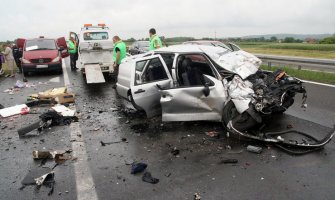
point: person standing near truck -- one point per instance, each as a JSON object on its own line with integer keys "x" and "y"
{"x": 119, "y": 53}
{"x": 8, "y": 53}
{"x": 73, "y": 53}
{"x": 155, "y": 41}
{"x": 17, "y": 53}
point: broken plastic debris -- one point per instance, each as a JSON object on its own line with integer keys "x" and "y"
{"x": 14, "y": 110}
{"x": 212, "y": 133}
{"x": 175, "y": 151}
{"x": 64, "y": 111}
{"x": 42, "y": 154}
{"x": 229, "y": 161}
{"x": 40, "y": 180}
{"x": 197, "y": 196}
{"x": 105, "y": 143}
{"x": 280, "y": 138}
{"x": 254, "y": 149}
{"x": 25, "y": 111}
{"x": 19, "y": 84}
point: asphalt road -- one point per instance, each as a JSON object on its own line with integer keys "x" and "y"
{"x": 272, "y": 174}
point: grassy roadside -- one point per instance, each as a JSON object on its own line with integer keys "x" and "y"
{"x": 290, "y": 49}
{"x": 292, "y": 52}
{"x": 321, "y": 77}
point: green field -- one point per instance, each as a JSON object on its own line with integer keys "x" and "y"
{"x": 290, "y": 49}
{"x": 322, "y": 77}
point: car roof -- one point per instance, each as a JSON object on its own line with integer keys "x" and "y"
{"x": 183, "y": 48}
{"x": 202, "y": 41}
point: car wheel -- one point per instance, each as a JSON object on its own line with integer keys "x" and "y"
{"x": 241, "y": 122}
{"x": 229, "y": 112}
{"x": 288, "y": 102}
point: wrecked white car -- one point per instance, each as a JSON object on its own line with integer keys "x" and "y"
{"x": 197, "y": 82}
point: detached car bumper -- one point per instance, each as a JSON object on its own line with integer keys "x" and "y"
{"x": 42, "y": 67}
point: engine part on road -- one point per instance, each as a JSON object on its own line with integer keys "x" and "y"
{"x": 50, "y": 118}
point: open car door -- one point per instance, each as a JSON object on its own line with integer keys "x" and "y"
{"x": 20, "y": 43}
{"x": 149, "y": 72}
{"x": 194, "y": 103}
{"x": 61, "y": 42}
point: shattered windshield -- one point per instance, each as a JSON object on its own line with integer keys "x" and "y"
{"x": 32, "y": 45}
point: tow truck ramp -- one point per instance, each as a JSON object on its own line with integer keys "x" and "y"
{"x": 94, "y": 74}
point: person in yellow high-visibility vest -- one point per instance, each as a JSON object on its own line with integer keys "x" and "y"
{"x": 119, "y": 53}
{"x": 155, "y": 41}
{"x": 73, "y": 53}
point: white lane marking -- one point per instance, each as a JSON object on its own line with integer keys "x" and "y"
{"x": 84, "y": 180}
{"x": 316, "y": 83}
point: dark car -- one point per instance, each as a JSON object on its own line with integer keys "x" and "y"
{"x": 42, "y": 54}
{"x": 139, "y": 47}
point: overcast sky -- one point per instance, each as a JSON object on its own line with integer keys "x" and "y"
{"x": 196, "y": 18}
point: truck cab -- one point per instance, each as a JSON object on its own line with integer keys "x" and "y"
{"x": 95, "y": 47}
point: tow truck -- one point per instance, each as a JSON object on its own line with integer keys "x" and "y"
{"x": 95, "y": 47}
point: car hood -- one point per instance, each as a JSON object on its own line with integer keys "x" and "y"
{"x": 240, "y": 62}
{"x": 40, "y": 54}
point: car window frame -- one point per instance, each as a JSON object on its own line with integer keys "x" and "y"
{"x": 208, "y": 61}
{"x": 148, "y": 60}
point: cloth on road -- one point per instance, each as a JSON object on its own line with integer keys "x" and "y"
{"x": 149, "y": 179}
{"x": 138, "y": 167}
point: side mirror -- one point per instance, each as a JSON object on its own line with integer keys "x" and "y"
{"x": 206, "y": 90}
{"x": 61, "y": 48}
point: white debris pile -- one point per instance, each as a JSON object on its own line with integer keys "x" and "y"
{"x": 240, "y": 93}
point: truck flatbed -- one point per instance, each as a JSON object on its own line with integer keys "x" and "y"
{"x": 94, "y": 74}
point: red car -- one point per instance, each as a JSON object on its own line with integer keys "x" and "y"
{"x": 42, "y": 54}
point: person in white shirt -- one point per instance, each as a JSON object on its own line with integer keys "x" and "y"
{"x": 8, "y": 53}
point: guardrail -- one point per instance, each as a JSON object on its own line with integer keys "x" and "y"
{"x": 316, "y": 64}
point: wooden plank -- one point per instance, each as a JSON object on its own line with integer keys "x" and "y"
{"x": 94, "y": 74}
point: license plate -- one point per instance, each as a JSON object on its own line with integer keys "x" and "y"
{"x": 41, "y": 66}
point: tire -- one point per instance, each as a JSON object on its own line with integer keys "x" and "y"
{"x": 29, "y": 128}
{"x": 241, "y": 122}
{"x": 288, "y": 102}
{"x": 229, "y": 112}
